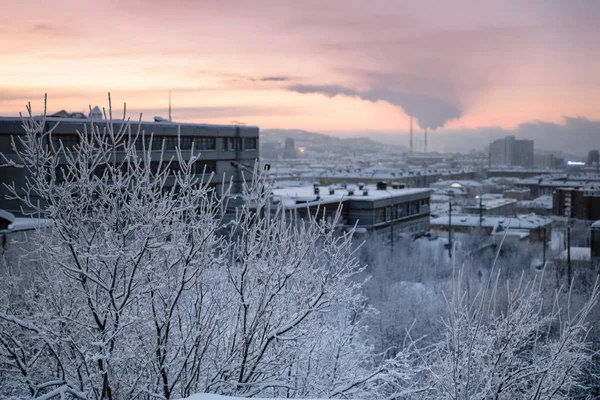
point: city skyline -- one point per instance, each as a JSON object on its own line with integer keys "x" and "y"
{"x": 341, "y": 68}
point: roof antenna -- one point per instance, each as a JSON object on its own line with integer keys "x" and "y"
{"x": 170, "y": 106}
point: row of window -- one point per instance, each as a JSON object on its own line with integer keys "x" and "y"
{"x": 399, "y": 211}
{"x": 204, "y": 143}
{"x": 199, "y": 167}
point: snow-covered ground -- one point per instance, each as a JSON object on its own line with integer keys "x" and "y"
{"x": 205, "y": 396}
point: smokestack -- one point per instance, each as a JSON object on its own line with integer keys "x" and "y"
{"x": 411, "y": 135}
{"x": 425, "y": 144}
{"x": 170, "y": 106}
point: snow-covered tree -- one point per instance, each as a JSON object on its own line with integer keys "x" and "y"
{"x": 142, "y": 288}
{"x": 511, "y": 349}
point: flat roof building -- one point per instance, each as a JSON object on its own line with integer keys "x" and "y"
{"x": 373, "y": 208}
{"x": 226, "y": 151}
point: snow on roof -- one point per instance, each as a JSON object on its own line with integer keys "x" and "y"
{"x": 490, "y": 204}
{"x": 207, "y": 396}
{"x": 456, "y": 183}
{"x": 305, "y": 195}
{"x": 488, "y": 221}
{"x": 519, "y": 233}
{"x": 539, "y": 202}
{"x": 596, "y": 224}
{"x": 83, "y": 119}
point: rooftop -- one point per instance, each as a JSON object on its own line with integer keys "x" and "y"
{"x": 529, "y": 221}
{"x": 302, "y": 196}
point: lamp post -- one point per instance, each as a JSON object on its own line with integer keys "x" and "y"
{"x": 450, "y": 228}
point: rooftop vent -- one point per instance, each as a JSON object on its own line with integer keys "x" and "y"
{"x": 366, "y": 192}
{"x": 331, "y": 191}
{"x": 381, "y": 185}
{"x": 361, "y": 186}
{"x": 316, "y": 190}
{"x": 350, "y": 192}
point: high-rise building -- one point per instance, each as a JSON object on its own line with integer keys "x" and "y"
{"x": 593, "y": 157}
{"x": 510, "y": 151}
{"x": 289, "y": 149}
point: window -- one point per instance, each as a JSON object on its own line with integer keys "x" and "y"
{"x": 414, "y": 208}
{"x": 206, "y": 143}
{"x": 68, "y": 141}
{"x": 170, "y": 142}
{"x": 250, "y": 143}
{"x": 186, "y": 142}
{"x": 224, "y": 144}
{"x": 206, "y": 167}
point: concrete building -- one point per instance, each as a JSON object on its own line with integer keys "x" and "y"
{"x": 372, "y": 208}
{"x": 593, "y": 158}
{"x": 517, "y": 194}
{"x": 289, "y": 149}
{"x": 510, "y": 151}
{"x": 506, "y": 207}
{"x": 532, "y": 228}
{"x": 541, "y": 205}
{"x": 225, "y": 150}
{"x": 577, "y": 203}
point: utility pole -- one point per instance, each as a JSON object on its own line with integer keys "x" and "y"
{"x": 569, "y": 249}
{"x": 450, "y": 229}
{"x": 480, "y": 211}
{"x": 545, "y": 242}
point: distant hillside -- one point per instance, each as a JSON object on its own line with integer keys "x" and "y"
{"x": 318, "y": 142}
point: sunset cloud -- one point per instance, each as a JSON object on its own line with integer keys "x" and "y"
{"x": 451, "y": 65}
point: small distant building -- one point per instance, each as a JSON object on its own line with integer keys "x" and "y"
{"x": 534, "y": 228}
{"x": 96, "y": 114}
{"x": 469, "y": 187}
{"x": 289, "y": 149}
{"x": 372, "y": 208}
{"x": 593, "y": 158}
{"x": 517, "y": 194}
{"x": 541, "y": 205}
{"x": 506, "y": 207}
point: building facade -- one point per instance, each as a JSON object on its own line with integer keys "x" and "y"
{"x": 227, "y": 152}
{"x": 576, "y": 203}
{"x": 378, "y": 209}
{"x": 512, "y": 152}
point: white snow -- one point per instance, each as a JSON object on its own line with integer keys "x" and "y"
{"x": 207, "y": 396}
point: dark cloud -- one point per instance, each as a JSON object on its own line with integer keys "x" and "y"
{"x": 429, "y": 112}
{"x": 51, "y": 30}
{"x": 274, "y": 79}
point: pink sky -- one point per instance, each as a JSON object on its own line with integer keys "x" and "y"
{"x": 495, "y": 62}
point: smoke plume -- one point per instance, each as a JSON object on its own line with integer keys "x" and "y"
{"x": 429, "y": 112}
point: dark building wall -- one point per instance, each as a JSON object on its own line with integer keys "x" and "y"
{"x": 582, "y": 204}
{"x": 218, "y": 145}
